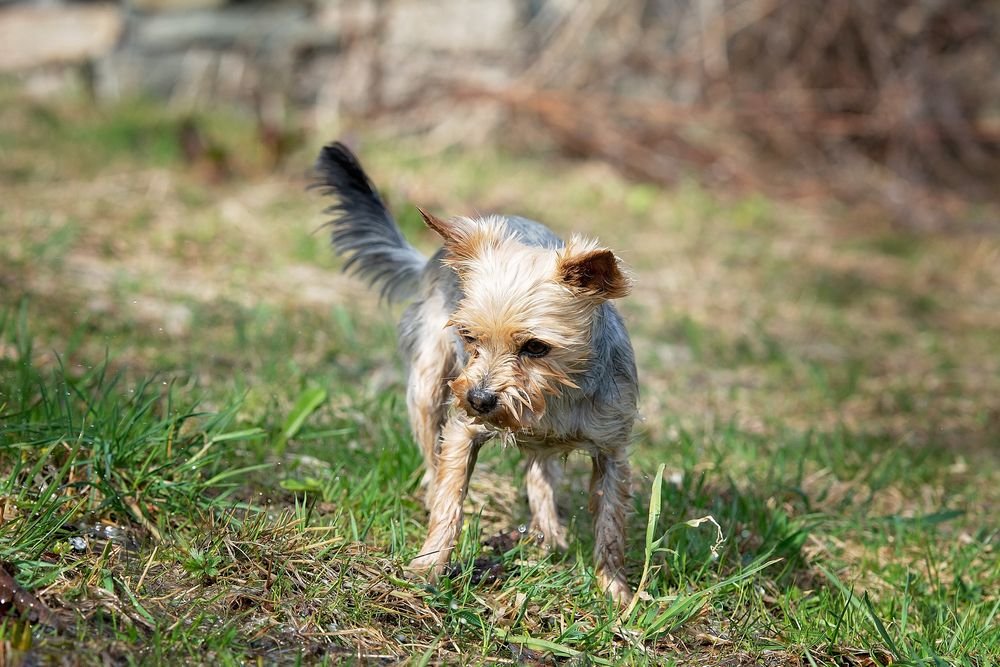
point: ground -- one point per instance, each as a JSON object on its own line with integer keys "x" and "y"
{"x": 204, "y": 452}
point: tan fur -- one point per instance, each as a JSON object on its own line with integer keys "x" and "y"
{"x": 501, "y": 315}
{"x": 542, "y": 476}
{"x": 593, "y": 271}
{"x": 427, "y": 391}
{"x": 455, "y": 459}
{"x": 513, "y": 294}
{"x": 509, "y": 335}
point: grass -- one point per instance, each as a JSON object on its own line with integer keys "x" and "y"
{"x": 205, "y": 456}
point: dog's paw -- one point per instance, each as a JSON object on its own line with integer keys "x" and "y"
{"x": 617, "y": 589}
{"x": 426, "y": 566}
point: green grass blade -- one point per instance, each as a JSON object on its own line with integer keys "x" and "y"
{"x": 307, "y": 403}
{"x": 655, "y": 507}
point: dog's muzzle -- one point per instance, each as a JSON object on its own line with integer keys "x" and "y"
{"x": 483, "y": 401}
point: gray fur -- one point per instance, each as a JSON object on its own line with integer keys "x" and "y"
{"x": 365, "y": 232}
{"x": 363, "y": 229}
{"x": 534, "y": 233}
{"x": 611, "y": 378}
{"x": 596, "y": 416}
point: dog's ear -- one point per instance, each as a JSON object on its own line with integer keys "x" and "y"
{"x": 451, "y": 231}
{"x": 462, "y": 237}
{"x": 595, "y": 272}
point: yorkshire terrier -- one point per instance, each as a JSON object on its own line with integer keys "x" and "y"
{"x": 511, "y": 335}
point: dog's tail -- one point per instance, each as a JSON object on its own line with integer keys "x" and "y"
{"x": 363, "y": 229}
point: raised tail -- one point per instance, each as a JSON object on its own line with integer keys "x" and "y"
{"x": 363, "y": 229}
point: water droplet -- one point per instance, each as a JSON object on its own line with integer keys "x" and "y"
{"x": 522, "y": 529}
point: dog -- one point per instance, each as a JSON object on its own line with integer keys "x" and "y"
{"x": 510, "y": 335}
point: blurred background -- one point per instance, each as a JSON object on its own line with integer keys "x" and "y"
{"x": 808, "y": 190}
{"x": 808, "y": 193}
{"x": 889, "y": 105}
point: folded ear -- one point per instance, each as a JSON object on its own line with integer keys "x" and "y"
{"x": 597, "y": 272}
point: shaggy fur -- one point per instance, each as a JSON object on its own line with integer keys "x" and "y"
{"x": 510, "y": 335}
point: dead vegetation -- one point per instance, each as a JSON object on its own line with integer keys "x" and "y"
{"x": 828, "y": 395}
{"x": 890, "y": 105}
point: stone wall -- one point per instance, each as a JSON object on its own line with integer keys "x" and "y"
{"x": 343, "y": 56}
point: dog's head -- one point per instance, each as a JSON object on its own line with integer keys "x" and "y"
{"x": 525, "y": 318}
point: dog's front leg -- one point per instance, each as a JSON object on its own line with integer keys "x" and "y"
{"x": 460, "y": 443}
{"x": 610, "y": 490}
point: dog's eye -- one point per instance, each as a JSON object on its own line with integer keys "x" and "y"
{"x": 535, "y": 348}
{"x": 467, "y": 337}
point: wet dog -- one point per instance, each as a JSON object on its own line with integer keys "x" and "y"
{"x": 510, "y": 335}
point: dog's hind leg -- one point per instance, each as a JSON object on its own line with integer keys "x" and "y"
{"x": 542, "y": 477}
{"x": 610, "y": 492}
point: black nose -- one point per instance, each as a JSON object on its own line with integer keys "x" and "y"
{"x": 482, "y": 400}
